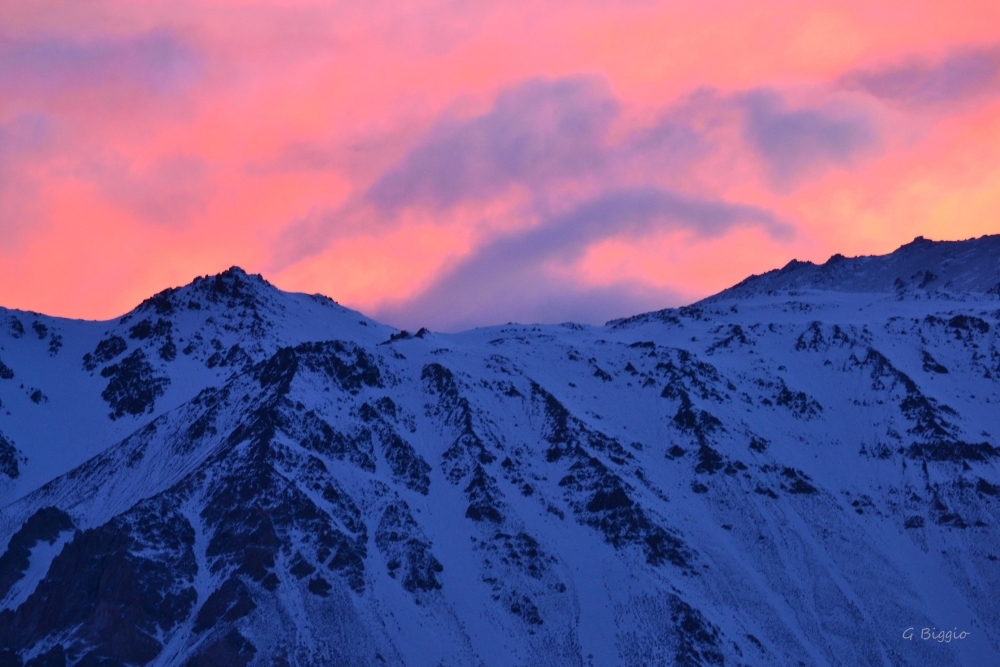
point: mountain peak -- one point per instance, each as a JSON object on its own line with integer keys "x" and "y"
{"x": 972, "y": 265}
{"x": 234, "y": 277}
{"x": 238, "y": 273}
{"x": 234, "y": 286}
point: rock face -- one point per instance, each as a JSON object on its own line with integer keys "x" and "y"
{"x": 232, "y": 475}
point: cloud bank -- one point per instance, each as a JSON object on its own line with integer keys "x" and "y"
{"x": 517, "y": 162}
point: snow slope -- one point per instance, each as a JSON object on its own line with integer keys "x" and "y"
{"x": 790, "y": 474}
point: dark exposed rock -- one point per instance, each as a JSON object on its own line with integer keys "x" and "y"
{"x": 16, "y": 327}
{"x": 279, "y": 370}
{"x": 601, "y": 501}
{"x": 709, "y": 460}
{"x": 204, "y": 425}
{"x": 520, "y": 554}
{"x": 952, "y": 519}
{"x": 931, "y": 365}
{"x": 609, "y": 500}
{"x": 319, "y": 586}
{"x": 735, "y": 336}
{"x": 40, "y": 329}
{"x": 969, "y": 323}
{"x": 106, "y": 350}
{"x": 253, "y": 510}
{"x": 404, "y": 335}
{"x": 928, "y": 418}
{"x": 236, "y": 358}
{"x": 317, "y": 435}
{"x": 440, "y": 381}
{"x": 301, "y": 567}
{"x": 985, "y": 488}
{"x": 114, "y": 588}
{"x": 407, "y": 553}
{"x": 558, "y": 432}
{"x": 346, "y": 363}
{"x": 800, "y": 485}
{"x": 521, "y": 605}
{"x": 133, "y": 385}
{"x": 55, "y": 344}
{"x": 683, "y": 372}
{"x": 161, "y": 330}
{"x": 698, "y": 639}
{"x": 468, "y": 448}
{"x": 5, "y": 372}
{"x": 952, "y": 450}
{"x": 160, "y": 303}
{"x": 484, "y": 497}
{"x": 168, "y": 351}
{"x": 229, "y": 602}
{"x": 690, "y": 419}
{"x": 9, "y": 457}
{"x": 798, "y": 402}
{"x": 812, "y": 338}
{"x": 45, "y": 525}
{"x": 521, "y": 551}
{"x": 601, "y": 374}
{"x": 146, "y": 329}
{"x": 675, "y": 452}
{"x": 589, "y": 483}
{"x": 406, "y": 465}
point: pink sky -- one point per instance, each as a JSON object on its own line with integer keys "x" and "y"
{"x": 454, "y": 164}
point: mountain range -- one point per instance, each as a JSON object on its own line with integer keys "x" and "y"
{"x": 795, "y": 471}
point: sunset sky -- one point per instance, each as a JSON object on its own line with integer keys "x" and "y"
{"x": 452, "y": 164}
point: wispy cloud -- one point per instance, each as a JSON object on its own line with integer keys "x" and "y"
{"x": 544, "y": 138}
{"x": 802, "y": 143}
{"x": 540, "y": 137}
{"x": 536, "y": 133}
{"x": 965, "y": 73}
{"x": 508, "y": 277}
{"x": 158, "y": 61}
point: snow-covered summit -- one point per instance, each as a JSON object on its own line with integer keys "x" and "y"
{"x": 951, "y": 266}
{"x": 77, "y": 385}
{"x": 237, "y": 301}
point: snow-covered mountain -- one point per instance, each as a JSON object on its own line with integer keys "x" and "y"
{"x": 952, "y": 266}
{"x": 792, "y": 472}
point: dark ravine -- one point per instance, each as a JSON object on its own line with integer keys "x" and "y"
{"x": 791, "y": 472}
